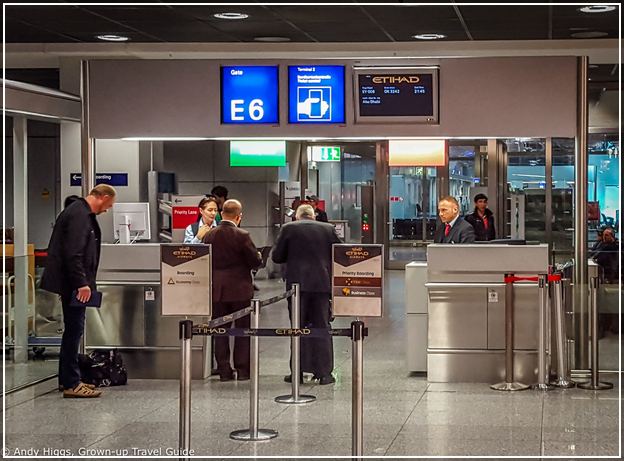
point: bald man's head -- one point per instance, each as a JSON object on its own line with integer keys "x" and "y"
{"x": 232, "y": 209}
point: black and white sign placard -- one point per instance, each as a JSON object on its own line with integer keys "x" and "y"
{"x": 357, "y": 280}
{"x": 186, "y": 280}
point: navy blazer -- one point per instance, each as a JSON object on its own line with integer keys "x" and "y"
{"x": 461, "y": 232}
{"x": 306, "y": 248}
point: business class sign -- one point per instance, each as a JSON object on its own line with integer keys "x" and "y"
{"x": 357, "y": 280}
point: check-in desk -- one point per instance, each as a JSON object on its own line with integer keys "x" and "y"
{"x": 130, "y": 316}
{"x": 416, "y": 316}
{"x": 466, "y": 311}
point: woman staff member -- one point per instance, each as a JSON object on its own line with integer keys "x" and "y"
{"x": 208, "y": 209}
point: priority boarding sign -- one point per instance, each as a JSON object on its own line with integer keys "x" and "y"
{"x": 357, "y": 280}
{"x": 186, "y": 280}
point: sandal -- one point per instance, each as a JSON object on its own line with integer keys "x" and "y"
{"x": 81, "y": 391}
{"x": 90, "y": 386}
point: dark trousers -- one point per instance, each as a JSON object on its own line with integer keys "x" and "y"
{"x": 74, "y": 322}
{"x": 317, "y": 354}
{"x": 222, "y": 343}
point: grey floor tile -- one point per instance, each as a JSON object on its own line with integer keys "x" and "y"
{"x": 473, "y": 432}
{"x": 580, "y": 448}
{"x": 406, "y": 445}
{"x": 50, "y": 444}
{"x": 304, "y": 445}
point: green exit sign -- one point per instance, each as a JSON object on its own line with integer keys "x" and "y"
{"x": 326, "y": 153}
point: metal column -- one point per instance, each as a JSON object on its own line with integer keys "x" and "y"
{"x": 357, "y": 391}
{"x": 542, "y": 360}
{"x": 549, "y": 187}
{"x": 295, "y": 355}
{"x": 20, "y": 248}
{"x": 580, "y": 217}
{"x": 87, "y": 152}
{"x": 186, "y": 334}
{"x": 254, "y": 433}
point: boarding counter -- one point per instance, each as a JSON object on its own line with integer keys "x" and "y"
{"x": 464, "y": 294}
{"x": 130, "y": 316}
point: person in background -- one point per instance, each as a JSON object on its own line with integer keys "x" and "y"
{"x": 70, "y": 199}
{"x": 221, "y": 194}
{"x": 73, "y": 259}
{"x": 452, "y": 228}
{"x": 208, "y": 209}
{"x": 305, "y": 245}
{"x": 596, "y": 246}
{"x": 234, "y": 256}
{"x": 482, "y": 219}
{"x": 319, "y": 214}
{"x": 607, "y": 256}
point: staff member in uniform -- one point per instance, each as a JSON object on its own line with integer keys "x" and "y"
{"x": 208, "y": 208}
{"x": 73, "y": 258}
{"x": 305, "y": 245}
{"x": 452, "y": 228}
{"x": 221, "y": 194}
{"x": 482, "y": 219}
{"x": 319, "y": 214}
{"x": 234, "y": 256}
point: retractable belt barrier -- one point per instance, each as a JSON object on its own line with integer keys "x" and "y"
{"x": 357, "y": 332}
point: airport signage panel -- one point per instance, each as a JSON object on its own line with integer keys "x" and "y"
{"x": 417, "y": 152}
{"x": 249, "y": 94}
{"x": 112, "y": 179}
{"x": 316, "y": 94}
{"x": 325, "y": 153}
{"x": 258, "y": 153}
{"x": 396, "y": 95}
{"x": 357, "y": 280}
{"x": 186, "y": 279}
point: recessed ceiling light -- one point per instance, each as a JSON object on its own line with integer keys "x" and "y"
{"x": 429, "y": 36}
{"x": 272, "y": 39}
{"x": 597, "y": 8}
{"x": 112, "y": 38}
{"x": 590, "y": 34}
{"x": 231, "y": 15}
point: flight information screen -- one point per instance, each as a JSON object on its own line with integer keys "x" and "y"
{"x": 397, "y": 94}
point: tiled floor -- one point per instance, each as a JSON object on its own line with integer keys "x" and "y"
{"x": 403, "y": 415}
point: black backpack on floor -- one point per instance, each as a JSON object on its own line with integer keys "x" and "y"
{"x": 103, "y": 368}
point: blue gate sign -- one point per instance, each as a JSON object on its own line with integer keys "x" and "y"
{"x": 316, "y": 94}
{"x": 112, "y": 179}
{"x": 249, "y": 94}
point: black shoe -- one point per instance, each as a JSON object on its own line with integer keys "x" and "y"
{"x": 329, "y": 379}
{"x": 288, "y": 378}
{"x": 242, "y": 375}
{"x": 226, "y": 376}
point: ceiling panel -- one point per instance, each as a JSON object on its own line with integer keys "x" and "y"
{"x": 301, "y": 23}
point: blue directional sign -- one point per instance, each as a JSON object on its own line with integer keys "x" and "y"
{"x": 316, "y": 94}
{"x": 112, "y": 179}
{"x": 249, "y": 94}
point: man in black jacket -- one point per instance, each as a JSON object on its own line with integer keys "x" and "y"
{"x": 453, "y": 228}
{"x": 482, "y": 219}
{"x": 305, "y": 245}
{"x": 72, "y": 263}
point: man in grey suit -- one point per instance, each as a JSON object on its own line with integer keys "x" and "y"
{"x": 453, "y": 228}
{"x": 305, "y": 245}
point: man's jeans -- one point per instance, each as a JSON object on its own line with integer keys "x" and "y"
{"x": 74, "y": 320}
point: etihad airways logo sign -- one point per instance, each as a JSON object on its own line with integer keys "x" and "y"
{"x": 396, "y": 79}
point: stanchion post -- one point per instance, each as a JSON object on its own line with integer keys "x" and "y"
{"x": 253, "y": 433}
{"x": 357, "y": 393}
{"x": 595, "y": 384}
{"x": 542, "y": 365}
{"x": 563, "y": 379}
{"x": 295, "y": 348}
{"x": 186, "y": 334}
{"x": 509, "y": 384}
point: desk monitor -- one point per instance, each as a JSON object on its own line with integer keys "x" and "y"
{"x": 133, "y": 215}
